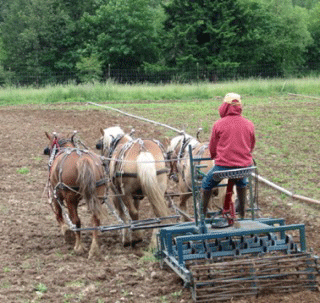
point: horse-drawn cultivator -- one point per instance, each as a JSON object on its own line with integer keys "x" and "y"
{"x": 222, "y": 258}
{"x": 217, "y": 255}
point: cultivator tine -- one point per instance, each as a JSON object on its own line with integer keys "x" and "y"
{"x": 219, "y": 281}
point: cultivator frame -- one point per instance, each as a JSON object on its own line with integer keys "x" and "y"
{"x": 249, "y": 257}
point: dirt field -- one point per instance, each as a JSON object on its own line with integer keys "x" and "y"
{"x": 38, "y": 266}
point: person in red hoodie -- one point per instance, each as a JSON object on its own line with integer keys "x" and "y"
{"x": 231, "y": 145}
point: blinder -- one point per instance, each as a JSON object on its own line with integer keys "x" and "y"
{"x": 99, "y": 144}
{"x": 46, "y": 151}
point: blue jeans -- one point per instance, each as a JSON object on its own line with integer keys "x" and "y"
{"x": 208, "y": 183}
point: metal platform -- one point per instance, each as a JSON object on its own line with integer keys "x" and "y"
{"x": 187, "y": 242}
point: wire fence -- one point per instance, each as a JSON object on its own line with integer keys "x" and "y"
{"x": 168, "y": 75}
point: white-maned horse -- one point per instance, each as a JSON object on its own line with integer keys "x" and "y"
{"x": 178, "y": 154}
{"x": 136, "y": 168}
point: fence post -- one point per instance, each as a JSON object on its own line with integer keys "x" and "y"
{"x": 197, "y": 72}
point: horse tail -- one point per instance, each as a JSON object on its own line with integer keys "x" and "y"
{"x": 87, "y": 186}
{"x": 147, "y": 174}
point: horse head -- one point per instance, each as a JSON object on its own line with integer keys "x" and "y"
{"x": 110, "y": 138}
{"x": 176, "y": 150}
{"x": 99, "y": 144}
{"x": 57, "y": 141}
{"x": 172, "y": 155}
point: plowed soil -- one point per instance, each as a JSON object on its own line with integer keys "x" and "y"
{"x": 36, "y": 263}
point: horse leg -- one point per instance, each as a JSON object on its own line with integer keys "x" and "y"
{"x": 72, "y": 201}
{"x": 65, "y": 231}
{"x": 118, "y": 205}
{"x": 137, "y": 234}
{"x": 94, "y": 248}
{"x": 136, "y": 203}
{"x": 183, "y": 205}
{"x": 183, "y": 201}
{"x": 133, "y": 208}
{"x": 130, "y": 238}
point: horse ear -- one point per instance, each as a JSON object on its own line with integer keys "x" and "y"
{"x": 132, "y": 132}
{"x": 73, "y": 135}
{"x": 198, "y": 134}
{"x": 102, "y": 131}
{"x": 48, "y": 136}
{"x": 166, "y": 141}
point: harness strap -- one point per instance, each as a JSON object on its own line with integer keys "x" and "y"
{"x": 114, "y": 144}
{"x": 183, "y": 147}
{"x": 76, "y": 188}
{"x": 135, "y": 175}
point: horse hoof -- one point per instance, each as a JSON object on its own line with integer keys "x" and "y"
{"x": 69, "y": 236}
{"x": 132, "y": 243}
{"x": 94, "y": 251}
{"x": 135, "y": 242}
{"x": 79, "y": 250}
{"x": 94, "y": 255}
{"x": 126, "y": 244}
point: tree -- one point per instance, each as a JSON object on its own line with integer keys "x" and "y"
{"x": 36, "y": 37}
{"x": 278, "y": 31}
{"x": 123, "y": 32}
{"x": 313, "y": 56}
{"x": 76, "y": 8}
{"x": 89, "y": 69}
{"x": 309, "y": 4}
{"x": 201, "y": 31}
{"x": 2, "y": 58}
{"x": 235, "y": 34}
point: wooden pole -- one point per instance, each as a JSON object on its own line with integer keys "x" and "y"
{"x": 304, "y": 96}
{"x": 137, "y": 117}
{"x": 294, "y": 196}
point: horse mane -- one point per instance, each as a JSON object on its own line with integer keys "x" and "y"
{"x": 111, "y": 133}
{"x": 179, "y": 139}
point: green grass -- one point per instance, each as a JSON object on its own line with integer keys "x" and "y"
{"x": 23, "y": 170}
{"x": 148, "y": 257}
{"x": 40, "y": 287}
{"x": 113, "y": 92}
{"x": 5, "y": 284}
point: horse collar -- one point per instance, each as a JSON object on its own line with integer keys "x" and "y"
{"x": 114, "y": 144}
{"x": 183, "y": 147}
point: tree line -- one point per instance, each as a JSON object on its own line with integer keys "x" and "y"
{"x": 56, "y": 41}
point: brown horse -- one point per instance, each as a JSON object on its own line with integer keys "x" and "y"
{"x": 136, "y": 168}
{"x": 75, "y": 174}
{"x": 178, "y": 154}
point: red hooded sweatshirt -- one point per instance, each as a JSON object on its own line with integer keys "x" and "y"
{"x": 233, "y": 139}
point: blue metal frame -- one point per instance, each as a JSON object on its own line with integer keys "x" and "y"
{"x": 199, "y": 240}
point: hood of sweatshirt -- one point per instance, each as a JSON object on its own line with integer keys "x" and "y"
{"x": 227, "y": 109}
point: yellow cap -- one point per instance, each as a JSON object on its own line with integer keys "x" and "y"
{"x": 229, "y": 98}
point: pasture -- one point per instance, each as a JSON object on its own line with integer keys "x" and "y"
{"x": 36, "y": 264}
